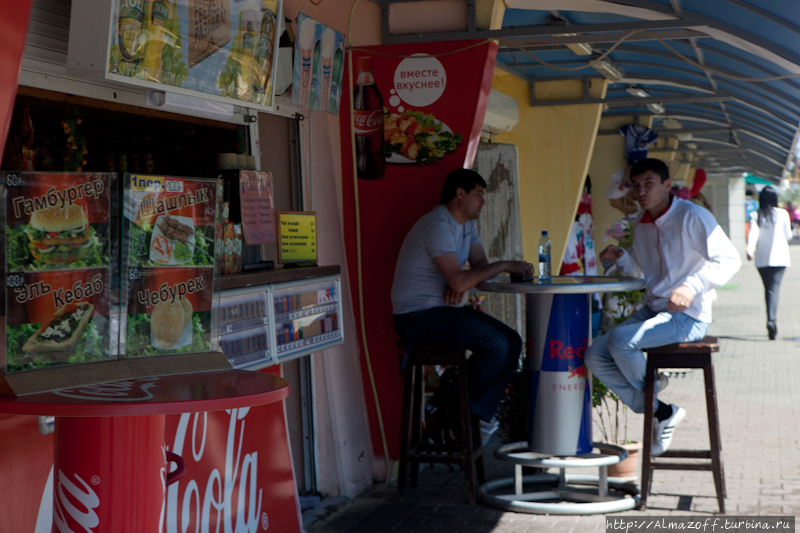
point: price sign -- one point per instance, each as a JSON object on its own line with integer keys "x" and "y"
{"x": 297, "y": 236}
{"x": 258, "y": 212}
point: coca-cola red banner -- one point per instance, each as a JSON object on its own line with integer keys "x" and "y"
{"x": 419, "y": 111}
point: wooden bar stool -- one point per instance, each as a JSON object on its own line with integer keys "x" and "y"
{"x": 686, "y": 355}
{"x": 468, "y": 451}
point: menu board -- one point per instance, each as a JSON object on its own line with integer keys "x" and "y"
{"x": 258, "y": 212}
{"x": 58, "y": 268}
{"x": 169, "y": 264}
{"x": 217, "y": 47}
{"x": 297, "y": 231}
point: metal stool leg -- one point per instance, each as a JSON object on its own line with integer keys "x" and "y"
{"x": 713, "y": 434}
{"x": 647, "y": 447}
{"x": 466, "y": 433}
{"x": 417, "y": 404}
{"x": 404, "y": 432}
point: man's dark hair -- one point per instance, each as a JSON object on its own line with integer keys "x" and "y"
{"x": 460, "y": 178}
{"x": 656, "y": 165}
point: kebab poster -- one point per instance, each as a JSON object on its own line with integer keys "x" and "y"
{"x": 58, "y": 272}
{"x": 169, "y": 262}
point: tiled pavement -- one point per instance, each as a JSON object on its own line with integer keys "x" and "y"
{"x": 759, "y": 420}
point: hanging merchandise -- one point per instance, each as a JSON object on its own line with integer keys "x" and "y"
{"x": 637, "y": 139}
{"x": 697, "y": 184}
{"x": 619, "y": 194}
{"x": 318, "y": 66}
{"x": 580, "y": 256}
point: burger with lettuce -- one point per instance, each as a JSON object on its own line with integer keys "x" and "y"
{"x": 59, "y": 235}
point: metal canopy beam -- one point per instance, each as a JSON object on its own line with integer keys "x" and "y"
{"x": 621, "y": 102}
{"x": 666, "y": 35}
{"x": 700, "y": 116}
{"x": 754, "y": 100}
{"x": 754, "y": 123}
{"x": 691, "y": 19}
{"x": 670, "y": 56}
{"x": 525, "y": 31}
{"x": 733, "y": 149}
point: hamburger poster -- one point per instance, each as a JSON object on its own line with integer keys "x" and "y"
{"x": 58, "y": 269}
{"x": 57, "y": 221}
{"x": 169, "y": 251}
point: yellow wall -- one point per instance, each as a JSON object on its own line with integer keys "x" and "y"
{"x": 555, "y": 145}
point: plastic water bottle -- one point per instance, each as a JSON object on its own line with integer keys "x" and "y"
{"x": 544, "y": 258}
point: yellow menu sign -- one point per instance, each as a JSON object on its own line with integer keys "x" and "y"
{"x": 297, "y": 236}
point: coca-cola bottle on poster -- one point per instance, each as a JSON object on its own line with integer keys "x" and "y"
{"x": 368, "y": 107}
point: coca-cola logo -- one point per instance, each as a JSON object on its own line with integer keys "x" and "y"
{"x": 228, "y": 501}
{"x": 66, "y": 514}
{"x": 121, "y": 391}
{"x": 369, "y": 121}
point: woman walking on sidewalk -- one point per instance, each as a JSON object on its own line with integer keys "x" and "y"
{"x": 768, "y": 242}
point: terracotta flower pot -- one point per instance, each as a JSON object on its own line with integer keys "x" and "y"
{"x": 627, "y": 467}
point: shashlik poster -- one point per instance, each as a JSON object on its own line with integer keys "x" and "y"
{"x": 57, "y": 268}
{"x": 169, "y": 250}
{"x": 226, "y": 48}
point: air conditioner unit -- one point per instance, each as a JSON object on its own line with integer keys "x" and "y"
{"x": 502, "y": 113}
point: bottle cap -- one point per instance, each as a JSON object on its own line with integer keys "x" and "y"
{"x": 364, "y": 64}
{"x": 544, "y": 233}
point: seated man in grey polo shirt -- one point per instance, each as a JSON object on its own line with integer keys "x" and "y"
{"x": 429, "y": 288}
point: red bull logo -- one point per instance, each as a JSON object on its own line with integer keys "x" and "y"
{"x": 559, "y": 351}
{"x": 579, "y": 371}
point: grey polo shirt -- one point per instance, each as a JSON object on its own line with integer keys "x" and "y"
{"x": 418, "y": 284}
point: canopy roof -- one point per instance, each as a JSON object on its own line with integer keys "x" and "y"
{"x": 721, "y": 75}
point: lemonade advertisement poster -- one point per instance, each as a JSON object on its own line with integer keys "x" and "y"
{"x": 225, "y": 48}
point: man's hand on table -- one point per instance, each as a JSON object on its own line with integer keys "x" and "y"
{"x": 611, "y": 252}
{"x": 453, "y": 298}
{"x": 680, "y": 299}
{"x": 519, "y": 268}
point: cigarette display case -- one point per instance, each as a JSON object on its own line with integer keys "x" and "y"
{"x": 269, "y": 324}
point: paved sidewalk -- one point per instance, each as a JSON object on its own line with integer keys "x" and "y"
{"x": 759, "y": 420}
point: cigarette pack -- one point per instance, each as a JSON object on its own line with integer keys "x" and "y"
{"x": 227, "y": 257}
{"x": 237, "y": 248}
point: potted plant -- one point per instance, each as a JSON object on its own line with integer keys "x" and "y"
{"x": 613, "y": 415}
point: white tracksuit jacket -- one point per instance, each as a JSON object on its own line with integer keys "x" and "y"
{"x": 683, "y": 246}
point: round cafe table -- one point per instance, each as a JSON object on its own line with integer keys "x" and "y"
{"x": 558, "y": 331}
{"x": 111, "y": 463}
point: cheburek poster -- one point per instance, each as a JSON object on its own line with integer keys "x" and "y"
{"x": 169, "y": 311}
{"x": 169, "y": 258}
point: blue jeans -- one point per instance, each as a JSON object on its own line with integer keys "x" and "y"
{"x": 495, "y": 348}
{"x": 617, "y": 360}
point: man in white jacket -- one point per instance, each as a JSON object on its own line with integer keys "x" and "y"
{"x": 683, "y": 255}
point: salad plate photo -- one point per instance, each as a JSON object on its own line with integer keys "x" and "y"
{"x": 173, "y": 240}
{"x": 416, "y": 137}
